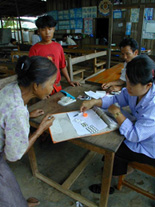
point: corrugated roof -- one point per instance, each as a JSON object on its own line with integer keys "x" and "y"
{"x": 15, "y": 8}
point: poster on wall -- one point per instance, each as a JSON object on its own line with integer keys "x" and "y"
{"x": 128, "y": 28}
{"x": 76, "y": 23}
{"x": 117, "y": 14}
{"x": 75, "y": 13}
{"x": 88, "y": 26}
{"x": 89, "y": 12}
{"x": 134, "y": 15}
{"x": 54, "y": 14}
{"x": 149, "y": 29}
{"x": 148, "y": 14}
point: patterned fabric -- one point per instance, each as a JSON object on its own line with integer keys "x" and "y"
{"x": 14, "y": 123}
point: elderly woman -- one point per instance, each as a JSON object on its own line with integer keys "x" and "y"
{"x": 35, "y": 78}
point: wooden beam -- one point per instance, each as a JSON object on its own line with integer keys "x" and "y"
{"x": 140, "y": 27}
{"x": 110, "y": 35}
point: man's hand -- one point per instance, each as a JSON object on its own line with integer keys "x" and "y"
{"x": 74, "y": 83}
{"x": 114, "y": 89}
{"x": 105, "y": 86}
{"x": 36, "y": 113}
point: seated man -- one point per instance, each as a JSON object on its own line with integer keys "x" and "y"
{"x": 68, "y": 40}
{"x": 129, "y": 50}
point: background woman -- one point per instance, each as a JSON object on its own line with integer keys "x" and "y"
{"x": 35, "y": 78}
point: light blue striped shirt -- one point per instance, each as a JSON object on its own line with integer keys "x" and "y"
{"x": 140, "y": 135}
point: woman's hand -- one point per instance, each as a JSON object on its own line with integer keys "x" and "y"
{"x": 46, "y": 122}
{"x": 89, "y": 104}
{"x": 36, "y": 113}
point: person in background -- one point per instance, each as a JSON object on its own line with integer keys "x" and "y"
{"x": 68, "y": 40}
{"x": 35, "y": 78}
{"x": 139, "y": 134}
{"x": 35, "y": 37}
{"x": 12, "y": 42}
{"x": 129, "y": 50}
{"x": 52, "y": 50}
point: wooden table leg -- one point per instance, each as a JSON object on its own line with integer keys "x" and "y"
{"x": 33, "y": 161}
{"x": 106, "y": 178}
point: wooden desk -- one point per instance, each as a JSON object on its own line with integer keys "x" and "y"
{"x": 106, "y": 76}
{"x": 106, "y": 144}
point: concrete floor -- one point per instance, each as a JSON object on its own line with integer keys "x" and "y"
{"x": 57, "y": 161}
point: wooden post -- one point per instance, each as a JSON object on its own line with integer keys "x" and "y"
{"x": 19, "y": 21}
{"x": 110, "y": 35}
{"x": 1, "y": 23}
{"x": 140, "y": 27}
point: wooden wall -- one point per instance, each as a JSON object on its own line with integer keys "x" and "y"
{"x": 118, "y": 32}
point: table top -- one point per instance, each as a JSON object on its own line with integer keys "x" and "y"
{"x": 110, "y": 141}
{"x": 106, "y": 76}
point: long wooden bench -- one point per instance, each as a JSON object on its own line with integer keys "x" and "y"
{"x": 15, "y": 54}
{"x": 76, "y": 60}
{"x": 96, "y": 64}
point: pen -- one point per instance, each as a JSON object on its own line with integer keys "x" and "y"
{"x": 50, "y": 117}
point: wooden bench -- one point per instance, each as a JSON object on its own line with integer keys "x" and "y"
{"x": 96, "y": 64}
{"x": 14, "y": 55}
{"x": 76, "y": 60}
{"x": 148, "y": 169}
{"x": 5, "y": 72}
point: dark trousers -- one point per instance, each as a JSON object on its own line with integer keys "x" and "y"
{"x": 124, "y": 155}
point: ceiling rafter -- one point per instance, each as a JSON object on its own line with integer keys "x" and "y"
{"x": 25, "y": 7}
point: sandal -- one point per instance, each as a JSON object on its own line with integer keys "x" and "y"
{"x": 32, "y": 202}
{"x": 96, "y": 188}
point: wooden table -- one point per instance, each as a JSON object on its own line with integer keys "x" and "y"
{"x": 106, "y": 144}
{"x": 106, "y": 76}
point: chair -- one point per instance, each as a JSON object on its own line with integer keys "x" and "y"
{"x": 148, "y": 169}
{"x": 72, "y": 72}
{"x": 98, "y": 64}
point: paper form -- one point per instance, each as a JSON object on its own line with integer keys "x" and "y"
{"x": 86, "y": 125}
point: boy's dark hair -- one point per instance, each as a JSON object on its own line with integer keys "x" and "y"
{"x": 129, "y": 42}
{"x": 45, "y": 21}
{"x": 140, "y": 70}
{"x": 34, "y": 69}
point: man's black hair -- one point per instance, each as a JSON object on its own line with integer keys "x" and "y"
{"x": 129, "y": 42}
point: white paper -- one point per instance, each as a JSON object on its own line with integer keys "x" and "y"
{"x": 97, "y": 94}
{"x": 91, "y": 121}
